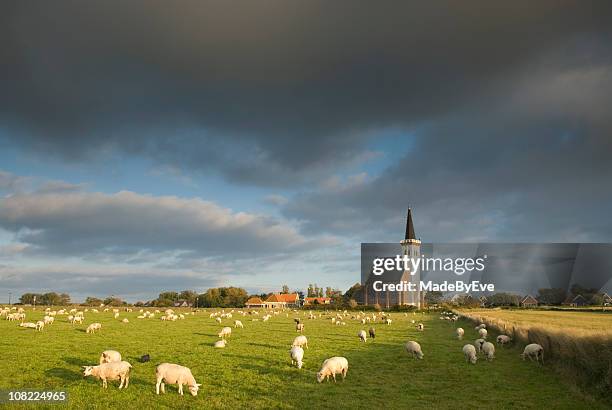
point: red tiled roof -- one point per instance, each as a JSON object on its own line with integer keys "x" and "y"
{"x": 254, "y": 301}
{"x": 283, "y": 297}
{"x": 321, "y": 300}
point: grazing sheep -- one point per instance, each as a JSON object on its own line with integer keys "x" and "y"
{"x": 238, "y": 323}
{"x": 40, "y": 325}
{"x": 420, "y": 327}
{"x": 226, "y": 331}
{"x": 480, "y": 326}
{"x": 93, "y": 327}
{"x": 110, "y": 371}
{"x": 460, "y": 333}
{"x": 388, "y": 321}
{"x": 482, "y": 333}
{"x": 297, "y": 356}
{"x": 503, "y": 339}
{"x": 362, "y": 335}
{"x": 332, "y": 367}
{"x": 533, "y": 350}
{"x": 125, "y": 320}
{"x": 470, "y": 353}
{"x": 488, "y": 349}
{"x": 372, "y": 332}
{"x": 478, "y": 343}
{"x": 218, "y": 320}
{"x": 299, "y": 327}
{"x": 48, "y": 320}
{"x": 110, "y": 356}
{"x": 220, "y": 343}
{"x": 175, "y": 374}
{"x": 300, "y": 341}
{"x": 116, "y": 315}
{"x": 29, "y": 325}
{"x": 414, "y": 349}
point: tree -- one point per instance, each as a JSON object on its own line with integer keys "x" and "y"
{"x": 285, "y": 289}
{"x": 311, "y": 291}
{"x": 551, "y": 296}
{"x": 64, "y": 299}
{"x": 51, "y": 298}
{"x": 174, "y": 296}
{"x": 504, "y": 299}
{"x": 189, "y": 295}
{"x": 114, "y": 301}
{"x": 353, "y": 303}
{"x": 223, "y": 297}
{"x": 377, "y": 307}
{"x": 91, "y": 301}
{"x": 433, "y": 297}
{"x": 352, "y": 291}
{"x": 28, "y": 298}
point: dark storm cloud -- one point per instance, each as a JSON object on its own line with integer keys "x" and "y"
{"x": 268, "y": 93}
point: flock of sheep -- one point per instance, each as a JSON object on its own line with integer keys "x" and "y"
{"x": 112, "y": 367}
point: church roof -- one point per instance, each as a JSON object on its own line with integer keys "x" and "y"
{"x": 409, "y": 226}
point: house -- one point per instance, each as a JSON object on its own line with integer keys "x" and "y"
{"x": 607, "y": 300}
{"x": 528, "y": 302}
{"x": 575, "y": 301}
{"x": 483, "y": 301}
{"x": 317, "y": 301}
{"x": 182, "y": 303}
{"x": 282, "y": 300}
{"x": 254, "y": 302}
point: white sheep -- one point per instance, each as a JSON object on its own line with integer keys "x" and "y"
{"x": 299, "y": 327}
{"x": 362, "y": 335}
{"x": 482, "y": 333}
{"x": 175, "y": 374}
{"x": 470, "y": 353}
{"x": 478, "y": 343}
{"x": 93, "y": 327}
{"x": 220, "y": 343}
{"x": 414, "y": 349}
{"x": 420, "y": 327}
{"x": 48, "y": 320}
{"x": 29, "y": 325}
{"x": 226, "y": 331}
{"x": 238, "y": 323}
{"x": 503, "y": 339}
{"x": 125, "y": 320}
{"x": 460, "y": 332}
{"x": 388, "y": 321}
{"x": 218, "y": 319}
{"x": 40, "y": 325}
{"x": 332, "y": 367}
{"x": 533, "y": 350}
{"x": 480, "y": 326}
{"x": 297, "y": 356}
{"x": 110, "y": 356}
{"x": 300, "y": 341}
{"x": 488, "y": 349}
{"x": 110, "y": 371}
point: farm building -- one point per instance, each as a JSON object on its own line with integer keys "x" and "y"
{"x": 528, "y": 302}
{"x": 483, "y": 301}
{"x": 574, "y": 301}
{"x": 607, "y": 300}
{"x": 254, "y": 302}
{"x": 317, "y": 301}
{"x": 282, "y": 300}
{"x": 182, "y": 303}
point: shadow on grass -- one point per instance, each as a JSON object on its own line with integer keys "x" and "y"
{"x": 75, "y": 361}
{"x": 64, "y": 374}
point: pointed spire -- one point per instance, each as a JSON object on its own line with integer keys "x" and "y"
{"x": 409, "y": 226}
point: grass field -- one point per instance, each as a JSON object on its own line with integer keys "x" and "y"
{"x": 585, "y": 322}
{"x": 254, "y": 370}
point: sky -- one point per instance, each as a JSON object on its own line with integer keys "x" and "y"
{"x": 150, "y": 146}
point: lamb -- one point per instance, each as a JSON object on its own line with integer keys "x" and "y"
{"x": 76, "y": 319}
{"x": 297, "y": 356}
{"x": 125, "y": 320}
{"x": 362, "y": 335}
{"x": 220, "y": 343}
{"x": 299, "y": 327}
{"x": 478, "y": 343}
{"x": 93, "y": 327}
{"x": 482, "y": 333}
{"x": 414, "y": 349}
{"x": 110, "y": 356}
{"x": 533, "y": 350}
{"x": 218, "y": 320}
{"x": 29, "y": 325}
{"x": 372, "y": 332}
{"x": 388, "y": 321}
{"x": 503, "y": 339}
{"x": 48, "y": 320}
{"x": 238, "y": 323}
{"x": 175, "y": 374}
{"x": 470, "y": 353}
{"x": 116, "y": 315}
{"x": 300, "y": 341}
{"x": 110, "y": 371}
{"x": 488, "y": 349}
{"x": 460, "y": 333}
{"x": 226, "y": 331}
{"x": 331, "y": 367}
{"x": 40, "y": 325}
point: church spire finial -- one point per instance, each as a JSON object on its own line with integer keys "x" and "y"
{"x": 409, "y": 226}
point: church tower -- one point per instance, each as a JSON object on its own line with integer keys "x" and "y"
{"x": 411, "y": 247}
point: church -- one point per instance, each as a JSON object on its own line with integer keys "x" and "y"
{"x": 411, "y": 247}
